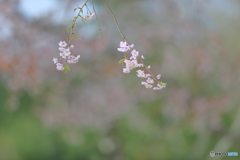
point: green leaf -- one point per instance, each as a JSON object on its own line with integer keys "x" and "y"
{"x": 68, "y": 29}
{"x": 162, "y": 84}
{"x": 66, "y": 68}
{"x": 71, "y": 38}
{"x": 121, "y": 61}
{"x": 83, "y": 19}
{"x": 76, "y": 17}
{"x": 68, "y": 20}
{"x": 77, "y": 36}
{"x": 75, "y": 9}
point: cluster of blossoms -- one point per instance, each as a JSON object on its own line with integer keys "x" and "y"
{"x": 136, "y": 61}
{"x": 65, "y": 55}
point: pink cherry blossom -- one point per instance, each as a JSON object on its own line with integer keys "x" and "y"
{"x": 55, "y": 60}
{"x": 62, "y": 55}
{"x": 62, "y": 44}
{"x": 134, "y": 54}
{"x": 140, "y": 73}
{"x": 147, "y": 75}
{"x": 60, "y": 66}
{"x": 159, "y": 87}
{"x": 126, "y": 70}
{"x": 124, "y": 47}
{"x": 89, "y": 16}
{"x": 147, "y": 85}
{"x": 159, "y": 76}
{"x": 61, "y": 49}
{"x": 66, "y": 52}
{"x": 150, "y": 80}
{"x": 73, "y": 59}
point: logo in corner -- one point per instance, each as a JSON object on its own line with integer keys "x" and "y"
{"x": 212, "y": 153}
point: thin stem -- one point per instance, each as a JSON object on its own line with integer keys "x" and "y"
{"x": 88, "y": 10}
{"x": 74, "y": 22}
{"x": 126, "y": 39}
{"x": 98, "y": 23}
{"x": 114, "y": 19}
{"x": 120, "y": 32}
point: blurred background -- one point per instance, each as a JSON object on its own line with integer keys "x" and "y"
{"x": 95, "y": 112}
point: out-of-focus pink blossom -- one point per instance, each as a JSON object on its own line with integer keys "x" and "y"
{"x": 89, "y": 16}
{"x": 124, "y": 47}
{"x": 159, "y": 87}
{"x": 140, "y": 73}
{"x": 134, "y": 54}
{"x": 150, "y": 80}
{"x": 62, "y": 44}
{"x": 126, "y": 70}
{"x": 147, "y": 85}
{"x": 55, "y": 60}
{"x": 60, "y": 66}
{"x": 73, "y": 59}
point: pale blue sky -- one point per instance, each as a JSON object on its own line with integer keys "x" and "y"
{"x": 36, "y": 8}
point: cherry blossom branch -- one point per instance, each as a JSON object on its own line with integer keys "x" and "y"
{"x": 133, "y": 61}
{"x": 71, "y": 34}
{"x": 66, "y": 57}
